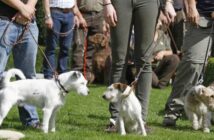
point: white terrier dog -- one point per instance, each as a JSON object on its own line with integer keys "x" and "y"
{"x": 198, "y": 104}
{"x": 130, "y": 118}
{"x": 47, "y": 94}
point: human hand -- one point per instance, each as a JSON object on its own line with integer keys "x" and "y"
{"x": 193, "y": 15}
{"x": 159, "y": 56}
{"x": 212, "y": 15}
{"x": 83, "y": 23}
{"x": 28, "y": 12}
{"x": 110, "y": 15}
{"x": 169, "y": 12}
{"x": 76, "y": 21}
{"x": 19, "y": 18}
{"x": 163, "y": 18}
{"x": 49, "y": 23}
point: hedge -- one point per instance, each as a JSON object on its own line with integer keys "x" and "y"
{"x": 40, "y": 22}
{"x": 209, "y": 73}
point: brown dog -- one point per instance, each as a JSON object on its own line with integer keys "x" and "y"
{"x": 102, "y": 57}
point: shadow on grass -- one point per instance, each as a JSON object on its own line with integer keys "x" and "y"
{"x": 96, "y": 85}
{"x": 96, "y": 117}
{"x": 178, "y": 127}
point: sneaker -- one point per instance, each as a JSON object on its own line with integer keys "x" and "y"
{"x": 169, "y": 122}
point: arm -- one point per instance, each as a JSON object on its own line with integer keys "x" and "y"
{"x": 161, "y": 54}
{"x": 80, "y": 21}
{"x": 109, "y": 13}
{"x": 48, "y": 19}
{"x": 26, "y": 10}
{"x": 192, "y": 12}
{"x": 169, "y": 11}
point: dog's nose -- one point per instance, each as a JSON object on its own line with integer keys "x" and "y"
{"x": 104, "y": 97}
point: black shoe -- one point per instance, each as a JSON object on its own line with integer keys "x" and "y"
{"x": 111, "y": 128}
{"x": 169, "y": 122}
{"x": 34, "y": 126}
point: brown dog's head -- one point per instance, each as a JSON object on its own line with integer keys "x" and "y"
{"x": 206, "y": 95}
{"x": 100, "y": 39}
{"x": 116, "y": 92}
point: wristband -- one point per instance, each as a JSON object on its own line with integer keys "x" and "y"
{"x": 47, "y": 17}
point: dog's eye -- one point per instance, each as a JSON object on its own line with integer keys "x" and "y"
{"x": 212, "y": 96}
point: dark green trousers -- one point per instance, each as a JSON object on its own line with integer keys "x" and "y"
{"x": 196, "y": 42}
{"x": 142, "y": 14}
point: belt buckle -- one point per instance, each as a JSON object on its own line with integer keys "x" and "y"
{"x": 66, "y": 10}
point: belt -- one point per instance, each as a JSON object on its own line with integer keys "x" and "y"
{"x": 9, "y": 19}
{"x": 63, "y": 10}
{"x": 4, "y": 18}
{"x": 177, "y": 10}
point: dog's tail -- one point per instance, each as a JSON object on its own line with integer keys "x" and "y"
{"x": 11, "y": 73}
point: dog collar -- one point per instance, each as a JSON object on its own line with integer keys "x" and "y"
{"x": 127, "y": 92}
{"x": 61, "y": 86}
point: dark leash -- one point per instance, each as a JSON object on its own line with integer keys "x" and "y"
{"x": 201, "y": 77}
{"x": 56, "y": 75}
{"x": 20, "y": 39}
{"x": 148, "y": 53}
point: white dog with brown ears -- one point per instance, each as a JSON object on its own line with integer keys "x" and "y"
{"x": 44, "y": 93}
{"x": 199, "y": 103}
{"x": 130, "y": 117}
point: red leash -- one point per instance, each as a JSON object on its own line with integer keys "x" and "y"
{"x": 85, "y": 55}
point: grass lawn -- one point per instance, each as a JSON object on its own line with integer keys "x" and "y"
{"x": 85, "y": 118}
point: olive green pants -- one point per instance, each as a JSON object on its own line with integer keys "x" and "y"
{"x": 196, "y": 42}
{"x": 142, "y": 14}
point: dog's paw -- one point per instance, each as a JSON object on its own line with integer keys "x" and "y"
{"x": 123, "y": 133}
{"x": 206, "y": 130}
{"x": 53, "y": 130}
{"x": 195, "y": 126}
{"x": 45, "y": 130}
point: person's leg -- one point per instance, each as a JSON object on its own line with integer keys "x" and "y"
{"x": 155, "y": 80}
{"x": 166, "y": 69}
{"x": 144, "y": 25}
{"x": 6, "y": 42}
{"x": 177, "y": 30}
{"x": 24, "y": 55}
{"x": 78, "y": 50}
{"x": 119, "y": 45}
{"x": 188, "y": 71}
{"x": 65, "y": 42}
{"x": 95, "y": 26}
{"x": 51, "y": 44}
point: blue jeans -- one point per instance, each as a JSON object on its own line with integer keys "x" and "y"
{"x": 62, "y": 22}
{"x": 24, "y": 55}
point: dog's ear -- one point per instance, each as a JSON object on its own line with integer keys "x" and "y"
{"x": 76, "y": 75}
{"x": 120, "y": 86}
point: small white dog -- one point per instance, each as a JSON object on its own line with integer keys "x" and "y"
{"x": 47, "y": 94}
{"x": 198, "y": 104}
{"x": 130, "y": 118}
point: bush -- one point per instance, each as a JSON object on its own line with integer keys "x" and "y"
{"x": 209, "y": 73}
{"x": 40, "y": 22}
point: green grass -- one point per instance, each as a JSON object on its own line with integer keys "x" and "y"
{"x": 85, "y": 118}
